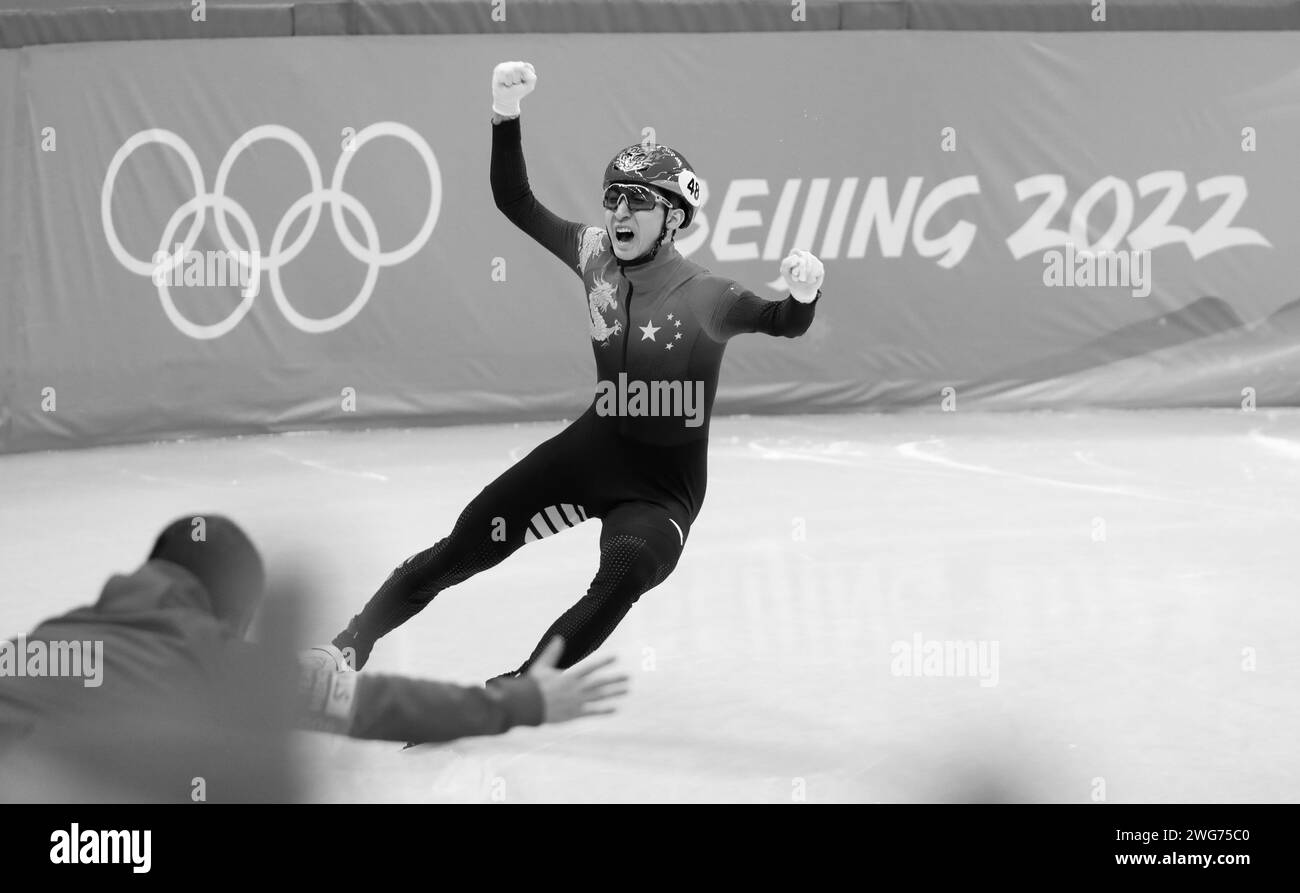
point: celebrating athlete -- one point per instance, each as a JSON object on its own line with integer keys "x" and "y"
{"x": 636, "y": 459}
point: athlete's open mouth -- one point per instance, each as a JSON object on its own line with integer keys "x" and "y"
{"x": 623, "y": 234}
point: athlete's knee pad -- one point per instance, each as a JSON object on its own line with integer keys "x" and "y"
{"x": 631, "y": 565}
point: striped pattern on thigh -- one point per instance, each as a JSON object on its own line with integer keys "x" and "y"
{"x": 553, "y": 519}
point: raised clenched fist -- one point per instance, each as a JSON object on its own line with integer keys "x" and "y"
{"x": 511, "y": 82}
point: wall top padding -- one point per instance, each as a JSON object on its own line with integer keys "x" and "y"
{"x": 29, "y": 22}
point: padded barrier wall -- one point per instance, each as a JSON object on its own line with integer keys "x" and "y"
{"x": 937, "y": 209}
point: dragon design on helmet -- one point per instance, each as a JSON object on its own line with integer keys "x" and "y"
{"x": 641, "y": 156}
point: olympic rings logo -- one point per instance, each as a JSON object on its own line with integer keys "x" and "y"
{"x": 280, "y": 254}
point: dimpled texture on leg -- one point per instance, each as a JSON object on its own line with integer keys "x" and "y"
{"x": 413, "y": 584}
{"x": 629, "y": 567}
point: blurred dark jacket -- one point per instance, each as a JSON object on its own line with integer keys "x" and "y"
{"x": 163, "y": 646}
{"x": 182, "y": 704}
{"x": 159, "y": 638}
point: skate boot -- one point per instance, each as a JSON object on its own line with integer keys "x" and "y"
{"x": 326, "y": 657}
{"x": 354, "y": 648}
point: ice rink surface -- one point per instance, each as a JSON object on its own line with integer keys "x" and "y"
{"x": 1131, "y": 577}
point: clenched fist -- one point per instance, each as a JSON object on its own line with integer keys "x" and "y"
{"x": 511, "y": 82}
{"x": 803, "y": 273}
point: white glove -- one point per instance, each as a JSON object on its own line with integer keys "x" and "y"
{"x": 803, "y": 274}
{"x": 511, "y": 82}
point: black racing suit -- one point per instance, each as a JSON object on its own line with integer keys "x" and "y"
{"x": 639, "y": 466}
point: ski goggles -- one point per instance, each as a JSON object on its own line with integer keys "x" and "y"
{"x": 639, "y": 198}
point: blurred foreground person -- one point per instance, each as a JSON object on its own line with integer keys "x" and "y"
{"x": 153, "y": 694}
